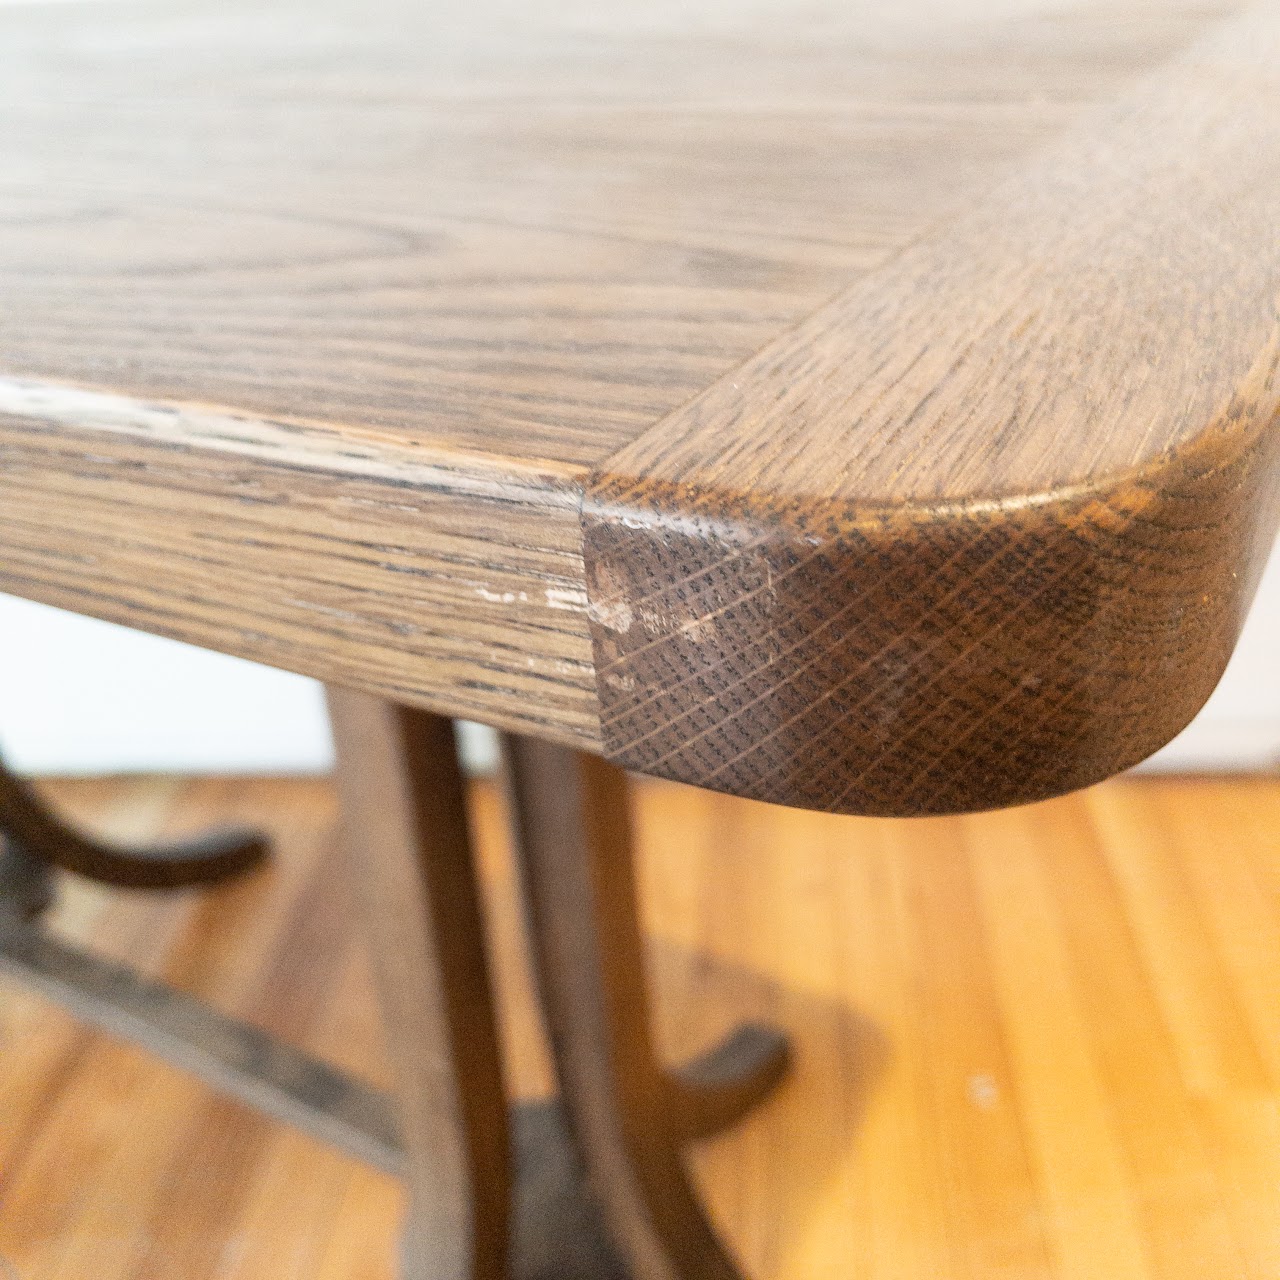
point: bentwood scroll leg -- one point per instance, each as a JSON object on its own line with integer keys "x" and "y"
{"x": 26, "y": 884}
{"x": 717, "y": 1089}
{"x": 573, "y": 840}
{"x": 29, "y": 825}
{"x": 406, "y": 826}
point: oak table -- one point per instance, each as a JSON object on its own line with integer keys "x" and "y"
{"x": 868, "y": 408}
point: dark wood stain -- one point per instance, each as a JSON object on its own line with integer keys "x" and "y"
{"x": 985, "y": 528}
{"x": 310, "y": 347}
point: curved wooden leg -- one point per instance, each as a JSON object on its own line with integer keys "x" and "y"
{"x": 26, "y": 884}
{"x": 404, "y": 813}
{"x": 29, "y": 825}
{"x": 717, "y": 1089}
{"x": 570, "y": 817}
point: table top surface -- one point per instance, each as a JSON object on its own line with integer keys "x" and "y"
{"x": 865, "y": 407}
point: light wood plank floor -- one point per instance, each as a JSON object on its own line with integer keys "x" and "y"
{"x": 1041, "y": 1043}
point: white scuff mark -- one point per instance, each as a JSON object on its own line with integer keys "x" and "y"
{"x": 554, "y": 666}
{"x": 660, "y": 622}
{"x": 700, "y": 630}
{"x": 612, "y": 615}
{"x": 573, "y": 599}
{"x": 501, "y": 597}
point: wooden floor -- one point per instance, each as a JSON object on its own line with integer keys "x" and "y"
{"x": 1041, "y": 1043}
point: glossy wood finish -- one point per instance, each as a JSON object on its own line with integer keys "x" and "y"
{"x": 985, "y": 528}
{"x": 313, "y": 346}
{"x": 1049, "y": 1049}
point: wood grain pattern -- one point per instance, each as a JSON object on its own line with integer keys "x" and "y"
{"x": 530, "y": 231}
{"x": 426, "y": 576}
{"x": 1080, "y": 1014}
{"x": 317, "y": 319}
{"x": 984, "y": 529}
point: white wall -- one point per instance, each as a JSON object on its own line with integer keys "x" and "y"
{"x": 1239, "y": 727}
{"x": 81, "y": 696}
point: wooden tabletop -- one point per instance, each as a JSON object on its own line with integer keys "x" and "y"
{"x": 863, "y": 407}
